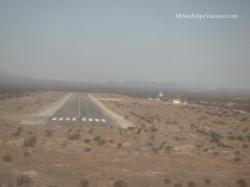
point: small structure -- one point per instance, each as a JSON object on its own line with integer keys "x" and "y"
{"x": 229, "y": 104}
{"x": 154, "y": 99}
{"x": 177, "y": 101}
{"x": 161, "y": 94}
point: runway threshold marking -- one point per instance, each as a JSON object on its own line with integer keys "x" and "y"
{"x": 84, "y": 119}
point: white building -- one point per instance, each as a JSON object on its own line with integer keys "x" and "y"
{"x": 176, "y": 101}
{"x": 179, "y": 101}
{"x": 161, "y": 94}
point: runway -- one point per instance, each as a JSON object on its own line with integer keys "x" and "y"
{"x": 81, "y": 110}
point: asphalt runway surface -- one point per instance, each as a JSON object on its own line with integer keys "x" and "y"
{"x": 81, "y": 110}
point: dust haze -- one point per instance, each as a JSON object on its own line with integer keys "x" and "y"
{"x": 123, "y": 41}
{"x": 135, "y": 93}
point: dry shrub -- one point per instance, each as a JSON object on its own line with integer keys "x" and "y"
{"x": 241, "y": 183}
{"x": 207, "y": 181}
{"x": 243, "y": 119}
{"x": 138, "y": 131}
{"x": 23, "y": 181}
{"x": 237, "y": 159}
{"x": 99, "y": 140}
{"x": 155, "y": 149}
{"x": 166, "y": 181}
{"x": 90, "y": 131}
{"x": 215, "y": 153}
{"x": 86, "y": 141}
{"x": 131, "y": 128}
{"x": 20, "y": 128}
{"x": 18, "y": 131}
{"x": 48, "y": 133}
{"x": 26, "y": 154}
{"x": 87, "y": 149}
{"x": 153, "y": 129}
{"x": 237, "y": 153}
{"x": 75, "y": 136}
{"x": 168, "y": 148}
{"x": 191, "y": 184}
{"x": 9, "y": 185}
{"x": 84, "y": 183}
{"x": 120, "y": 184}
{"x": 7, "y": 157}
{"x": 119, "y": 145}
{"x": 244, "y": 146}
{"x": 30, "y": 141}
{"x": 178, "y": 185}
{"x": 150, "y": 144}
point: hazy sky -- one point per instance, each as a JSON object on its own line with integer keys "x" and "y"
{"x": 100, "y": 40}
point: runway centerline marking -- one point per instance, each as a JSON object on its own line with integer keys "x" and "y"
{"x": 60, "y": 119}
{"x": 73, "y": 119}
{"x": 104, "y": 120}
{"x": 54, "y": 118}
{"x": 84, "y": 119}
{"x": 79, "y": 107}
{"x": 67, "y": 119}
{"x": 90, "y": 119}
{"x": 97, "y": 120}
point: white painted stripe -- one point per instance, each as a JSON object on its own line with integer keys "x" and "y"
{"x": 84, "y": 119}
{"x": 79, "y": 107}
{"x": 90, "y": 119}
{"x": 73, "y": 119}
{"x": 60, "y": 119}
{"x": 97, "y": 120}
{"x": 54, "y": 118}
{"x": 67, "y": 119}
{"x": 104, "y": 120}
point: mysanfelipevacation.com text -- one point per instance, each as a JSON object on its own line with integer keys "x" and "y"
{"x": 198, "y": 16}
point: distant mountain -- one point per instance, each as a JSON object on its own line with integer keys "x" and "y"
{"x": 8, "y": 79}
{"x": 11, "y": 79}
{"x": 146, "y": 85}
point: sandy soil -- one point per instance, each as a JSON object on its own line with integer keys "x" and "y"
{"x": 169, "y": 145}
{"x": 34, "y": 103}
{"x": 34, "y": 109}
{"x": 119, "y": 120}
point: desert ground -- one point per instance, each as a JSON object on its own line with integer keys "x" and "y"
{"x": 164, "y": 145}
